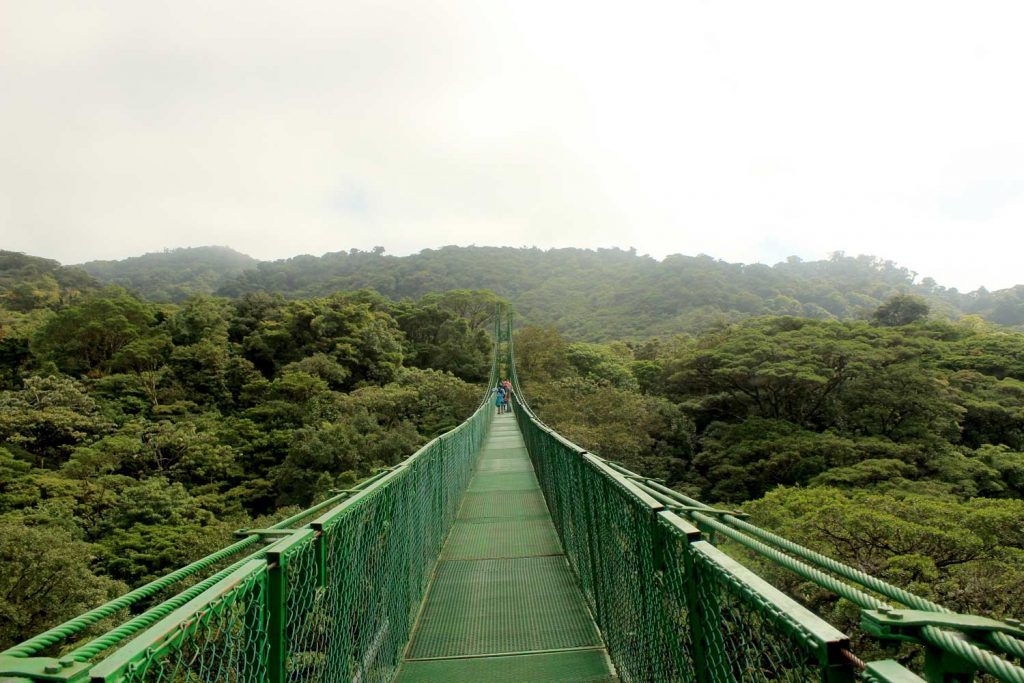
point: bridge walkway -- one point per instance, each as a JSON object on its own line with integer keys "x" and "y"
{"x": 503, "y": 604}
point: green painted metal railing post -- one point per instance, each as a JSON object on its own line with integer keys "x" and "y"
{"x": 889, "y": 671}
{"x": 596, "y": 580}
{"x": 705, "y": 626}
{"x": 943, "y": 666}
{"x": 277, "y": 609}
{"x": 277, "y": 558}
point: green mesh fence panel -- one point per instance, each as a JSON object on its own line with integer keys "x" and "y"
{"x": 670, "y": 606}
{"x": 307, "y": 624}
{"x": 219, "y": 636}
{"x": 744, "y": 637}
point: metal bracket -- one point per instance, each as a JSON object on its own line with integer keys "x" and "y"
{"x": 265, "y": 533}
{"x": 637, "y": 477}
{"x": 906, "y": 624}
{"x": 63, "y": 670}
{"x": 892, "y": 672}
{"x": 708, "y": 511}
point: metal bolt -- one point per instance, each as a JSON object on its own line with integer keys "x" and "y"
{"x": 896, "y": 616}
{"x": 52, "y": 668}
{"x": 67, "y": 662}
{"x": 884, "y": 610}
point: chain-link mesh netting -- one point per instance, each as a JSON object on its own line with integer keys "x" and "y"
{"x": 670, "y": 607}
{"x": 307, "y": 623}
{"x": 674, "y": 657}
{"x": 745, "y": 637}
{"x": 378, "y": 550}
{"x": 225, "y": 640}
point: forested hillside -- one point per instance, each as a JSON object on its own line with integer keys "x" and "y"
{"x": 894, "y": 444}
{"x": 604, "y": 294}
{"x": 588, "y": 295}
{"x": 136, "y": 437}
{"x": 174, "y": 274}
{"x": 30, "y": 283}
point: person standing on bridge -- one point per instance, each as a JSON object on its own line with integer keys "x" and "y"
{"x": 508, "y": 395}
{"x": 499, "y": 397}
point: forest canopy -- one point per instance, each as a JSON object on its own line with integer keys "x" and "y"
{"x": 137, "y": 437}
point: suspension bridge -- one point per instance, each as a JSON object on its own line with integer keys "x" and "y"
{"x": 501, "y": 551}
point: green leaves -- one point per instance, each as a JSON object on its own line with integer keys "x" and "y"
{"x": 46, "y": 579}
{"x": 145, "y": 434}
{"x": 901, "y": 309}
{"x": 963, "y": 554}
{"x": 85, "y": 337}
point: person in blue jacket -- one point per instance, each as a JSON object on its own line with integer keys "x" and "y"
{"x": 499, "y": 398}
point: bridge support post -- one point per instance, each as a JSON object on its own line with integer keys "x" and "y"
{"x": 942, "y": 666}
{"x": 278, "y": 559}
{"x": 705, "y": 625}
{"x": 596, "y": 556}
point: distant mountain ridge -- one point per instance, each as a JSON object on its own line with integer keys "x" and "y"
{"x": 617, "y": 294}
{"x": 173, "y": 274}
{"x": 588, "y": 294}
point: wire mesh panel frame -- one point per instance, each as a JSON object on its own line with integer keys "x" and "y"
{"x": 751, "y": 631}
{"x": 219, "y": 635}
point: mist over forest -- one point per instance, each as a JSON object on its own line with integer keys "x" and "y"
{"x": 588, "y": 294}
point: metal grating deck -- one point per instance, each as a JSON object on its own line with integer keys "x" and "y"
{"x": 503, "y": 604}
{"x": 579, "y": 666}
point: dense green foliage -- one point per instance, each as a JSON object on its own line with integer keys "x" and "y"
{"x": 898, "y": 448}
{"x": 836, "y": 401}
{"x": 136, "y": 437}
{"x": 603, "y": 294}
{"x": 591, "y": 295}
{"x": 173, "y": 274}
{"x": 29, "y": 283}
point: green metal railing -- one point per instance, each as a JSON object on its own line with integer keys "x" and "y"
{"x": 331, "y": 600}
{"x": 672, "y": 607}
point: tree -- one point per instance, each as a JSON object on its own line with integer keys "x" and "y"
{"x": 965, "y": 555}
{"x": 477, "y": 306}
{"x": 901, "y": 309}
{"x": 46, "y": 579}
{"x": 541, "y": 352}
{"x": 48, "y": 417}
{"x": 84, "y": 337}
{"x": 438, "y": 338}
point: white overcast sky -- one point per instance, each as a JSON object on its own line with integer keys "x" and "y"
{"x": 747, "y": 130}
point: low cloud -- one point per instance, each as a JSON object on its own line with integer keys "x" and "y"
{"x": 746, "y": 131}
